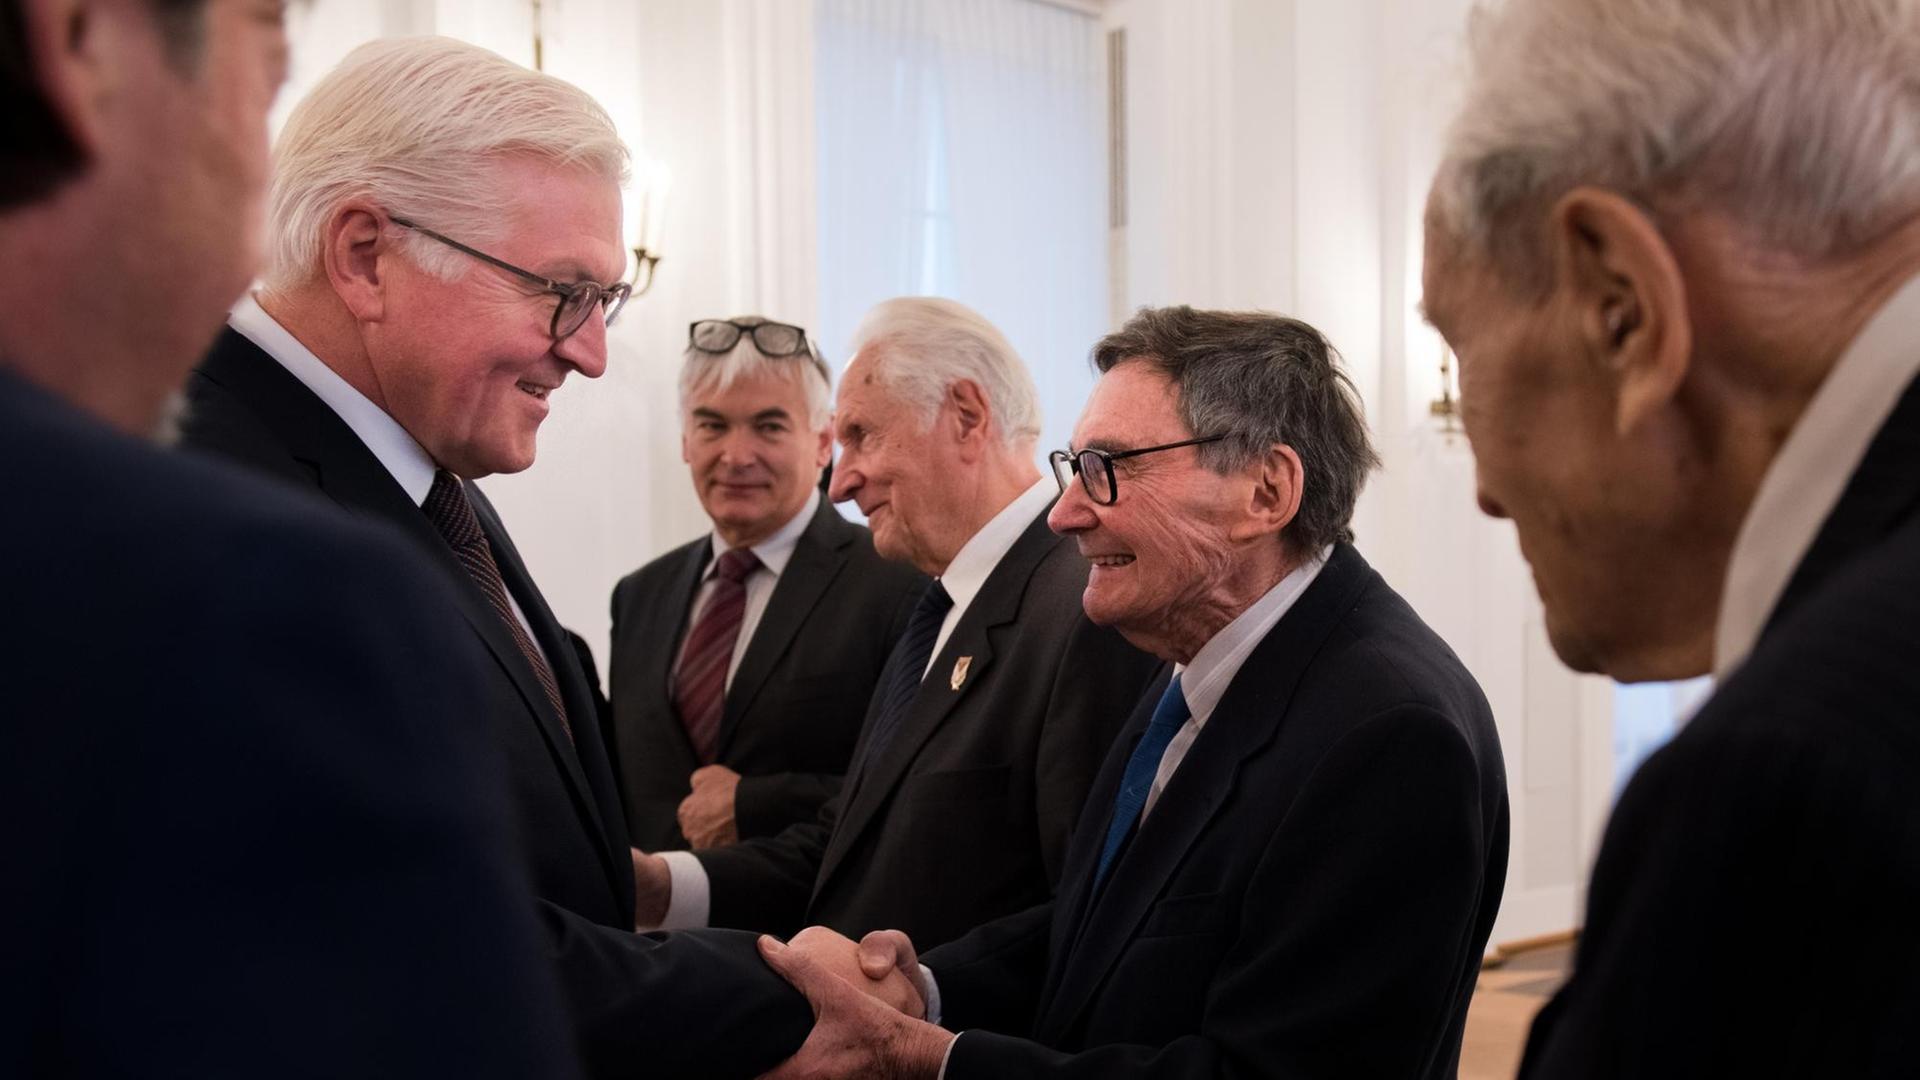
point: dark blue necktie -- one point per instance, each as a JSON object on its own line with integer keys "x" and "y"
{"x": 900, "y": 680}
{"x": 1168, "y": 716}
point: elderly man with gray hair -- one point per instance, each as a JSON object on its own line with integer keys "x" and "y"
{"x": 445, "y": 254}
{"x": 1291, "y": 861}
{"x": 1676, "y": 244}
{"x": 999, "y": 701}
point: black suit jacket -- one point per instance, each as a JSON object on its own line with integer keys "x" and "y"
{"x": 1752, "y": 908}
{"x": 965, "y": 814}
{"x": 632, "y": 998}
{"x": 225, "y": 857}
{"x": 795, "y": 706}
{"x": 1310, "y": 897}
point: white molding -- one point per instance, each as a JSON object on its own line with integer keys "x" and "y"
{"x": 1095, "y": 8}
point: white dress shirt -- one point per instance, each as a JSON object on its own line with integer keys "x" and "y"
{"x": 1202, "y": 682}
{"x": 1206, "y": 678}
{"x": 774, "y": 552}
{"x": 1803, "y": 484}
{"x": 690, "y": 903}
{"x": 398, "y": 452}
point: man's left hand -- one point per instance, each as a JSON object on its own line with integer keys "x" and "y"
{"x": 706, "y": 815}
{"x": 853, "y": 1034}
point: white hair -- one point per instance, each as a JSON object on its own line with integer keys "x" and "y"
{"x": 415, "y": 124}
{"x": 702, "y": 372}
{"x": 921, "y": 345}
{"x": 1798, "y": 118}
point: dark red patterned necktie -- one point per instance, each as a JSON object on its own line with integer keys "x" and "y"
{"x": 447, "y": 507}
{"x": 700, "y": 683}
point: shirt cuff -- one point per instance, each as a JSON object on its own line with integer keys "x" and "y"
{"x": 946, "y": 1057}
{"x": 929, "y": 995}
{"x": 691, "y": 904}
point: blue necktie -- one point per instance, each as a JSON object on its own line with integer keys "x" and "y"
{"x": 1168, "y": 716}
{"x": 900, "y": 680}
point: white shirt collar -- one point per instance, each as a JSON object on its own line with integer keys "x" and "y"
{"x": 1803, "y": 484}
{"x": 984, "y": 549}
{"x": 1204, "y": 681}
{"x": 775, "y": 550}
{"x": 404, "y": 458}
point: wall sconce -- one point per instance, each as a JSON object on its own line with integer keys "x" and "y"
{"x": 647, "y": 209}
{"x": 1447, "y": 406}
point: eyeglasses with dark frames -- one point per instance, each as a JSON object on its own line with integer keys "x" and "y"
{"x": 576, "y": 299}
{"x": 773, "y": 339}
{"x": 1095, "y": 467}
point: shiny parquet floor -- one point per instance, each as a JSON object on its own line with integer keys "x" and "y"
{"x": 1503, "y": 1008}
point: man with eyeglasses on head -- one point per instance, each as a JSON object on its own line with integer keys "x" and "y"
{"x": 444, "y": 254}
{"x": 996, "y": 704}
{"x": 1291, "y": 861}
{"x": 742, "y": 662}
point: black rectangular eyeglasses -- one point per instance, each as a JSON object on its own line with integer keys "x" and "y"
{"x": 576, "y": 300}
{"x": 1095, "y": 467}
{"x": 773, "y": 339}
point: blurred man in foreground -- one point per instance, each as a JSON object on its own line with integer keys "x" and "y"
{"x": 1676, "y": 245}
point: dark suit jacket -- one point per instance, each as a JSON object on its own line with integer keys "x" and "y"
{"x": 795, "y": 706}
{"x": 259, "y": 869}
{"x": 632, "y": 998}
{"x": 1752, "y": 908}
{"x": 965, "y": 815}
{"x": 1310, "y": 897}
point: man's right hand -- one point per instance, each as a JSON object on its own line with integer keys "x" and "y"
{"x": 883, "y": 982}
{"x": 652, "y": 889}
{"x": 883, "y": 952}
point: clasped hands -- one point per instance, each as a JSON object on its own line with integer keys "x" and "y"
{"x": 868, "y": 1002}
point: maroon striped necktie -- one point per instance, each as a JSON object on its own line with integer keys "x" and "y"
{"x": 700, "y": 683}
{"x": 447, "y": 507}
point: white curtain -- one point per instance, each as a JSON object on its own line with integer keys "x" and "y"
{"x": 961, "y": 153}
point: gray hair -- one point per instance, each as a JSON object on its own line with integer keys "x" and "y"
{"x": 702, "y": 372}
{"x": 1260, "y": 379}
{"x": 416, "y": 124}
{"x": 921, "y": 345}
{"x": 1800, "y": 118}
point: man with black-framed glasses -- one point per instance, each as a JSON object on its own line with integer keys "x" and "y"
{"x": 444, "y": 253}
{"x": 1291, "y": 861}
{"x": 742, "y": 662}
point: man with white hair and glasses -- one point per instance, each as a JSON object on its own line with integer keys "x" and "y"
{"x": 445, "y": 253}
{"x": 998, "y": 702}
{"x": 1676, "y": 244}
{"x": 742, "y": 662}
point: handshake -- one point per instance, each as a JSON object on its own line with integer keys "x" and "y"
{"x": 869, "y": 1005}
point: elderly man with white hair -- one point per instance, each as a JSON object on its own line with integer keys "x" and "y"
{"x": 1676, "y": 244}
{"x": 998, "y": 703}
{"x": 445, "y": 253}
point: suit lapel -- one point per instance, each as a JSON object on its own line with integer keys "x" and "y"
{"x": 995, "y": 607}
{"x": 1083, "y": 852}
{"x": 349, "y": 474}
{"x": 816, "y": 561}
{"x": 582, "y": 756}
{"x": 1248, "y": 718}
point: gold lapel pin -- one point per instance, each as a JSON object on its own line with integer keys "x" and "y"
{"x": 960, "y": 671}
